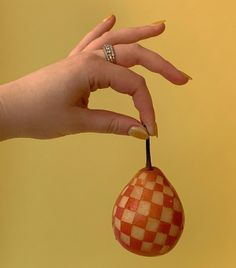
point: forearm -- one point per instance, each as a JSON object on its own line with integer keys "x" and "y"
{"x": 9, "y": 120}
{"x": 3, "y": 126}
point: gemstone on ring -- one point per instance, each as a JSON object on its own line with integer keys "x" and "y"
{"x": 109, "y": 53}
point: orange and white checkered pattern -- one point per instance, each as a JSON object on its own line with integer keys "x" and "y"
{"x": 148, "y": 217}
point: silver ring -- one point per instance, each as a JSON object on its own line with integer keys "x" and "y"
{"x": 109, "y": 53}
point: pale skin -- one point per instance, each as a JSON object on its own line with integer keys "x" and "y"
{"x": 53, "y": 101}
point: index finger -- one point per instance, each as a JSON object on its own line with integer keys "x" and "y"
{"x": 128, "y": 82}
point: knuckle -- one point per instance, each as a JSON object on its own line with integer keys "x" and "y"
{"x": 113, "y": 126}
{"x": 107, "y": 36}
{"x": 163, "y": 68}
{"x": 139, "y": 86}
{"x": 87, "y": 60}
{"x": 88, "y": 56}
{"x": 136, "y": 49}
{"x": 141, "y": 80}
{"x": 136, "y": 46}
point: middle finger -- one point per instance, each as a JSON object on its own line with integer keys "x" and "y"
{"x": 127, "y": 35}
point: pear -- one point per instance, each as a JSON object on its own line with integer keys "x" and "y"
{"x": 148, "y": 217}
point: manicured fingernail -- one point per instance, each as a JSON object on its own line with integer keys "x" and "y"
{"x": 107, "y": 18}
{"x": 138, "y": 132}
{"x": 152, "y": 130}
{"x": 156, "y": 130}
{"x": 189, "y": 77}
{"x": 157, "y": 22}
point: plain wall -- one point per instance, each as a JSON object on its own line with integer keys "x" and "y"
{"x": 56, "y": 196}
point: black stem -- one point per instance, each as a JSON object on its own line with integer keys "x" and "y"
{"x": 148, "y": 155}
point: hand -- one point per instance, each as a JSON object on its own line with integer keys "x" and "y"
{"x": 53, "y": 101}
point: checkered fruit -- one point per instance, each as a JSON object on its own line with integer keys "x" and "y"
{"x": 148, "y": 216}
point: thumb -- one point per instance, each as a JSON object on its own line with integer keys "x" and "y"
{"x": 102, "y": 121}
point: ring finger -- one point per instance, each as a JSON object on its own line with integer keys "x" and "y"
{"x": 129, "y": 55}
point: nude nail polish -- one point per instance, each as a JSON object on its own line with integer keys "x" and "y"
{"x": 138, "y": 132}
{"x": 107, "y": 18}
{"x": 157, "y": 22}
{"x": 156, "y": 130}
{"x": 152, "y": 130}
{"x": 189, "y": 77}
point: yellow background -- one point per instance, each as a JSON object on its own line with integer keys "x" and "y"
{"x": 56, "y": 196}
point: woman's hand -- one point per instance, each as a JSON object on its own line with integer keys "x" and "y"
{"x": 53, "y": 101}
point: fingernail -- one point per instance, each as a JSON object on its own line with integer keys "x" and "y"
{"x": 186, "y": 75}
{"x": 157, "y": 22}
{"x": 156, "y": 130}
{"x": 152, "y": 130}
{"x": 107, "y": 18}
{"x": 138, "y": 132}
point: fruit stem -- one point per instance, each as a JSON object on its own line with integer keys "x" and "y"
{"x": 148, "y": 155}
